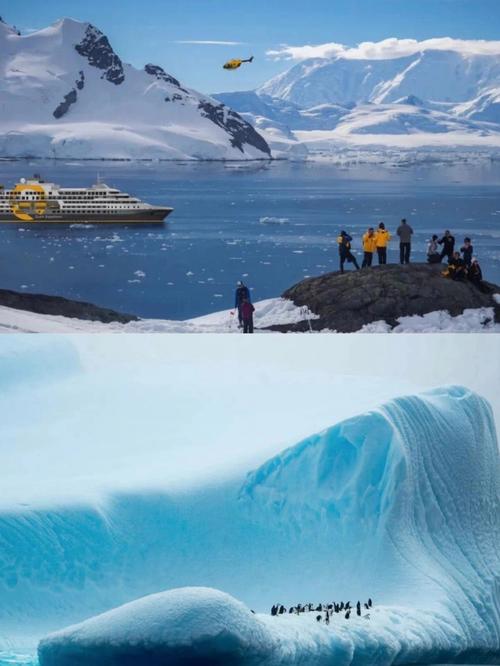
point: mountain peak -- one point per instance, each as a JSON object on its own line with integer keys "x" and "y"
{"x": 7, "y": 29}
{"x": 96, "y": 48}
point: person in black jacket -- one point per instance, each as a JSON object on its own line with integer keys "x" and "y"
{"x": 475, "y": 274}
{"x": 456, "y": 268}
{"x": 345, "y": 254}
{"x": 448, "y": 243}
{"x": 467, "y": 251}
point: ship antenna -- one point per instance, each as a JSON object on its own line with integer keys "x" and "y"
{"x": 98, "y": 178}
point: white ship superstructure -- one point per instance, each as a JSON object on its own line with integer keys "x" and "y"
{"x": 34, "y": 200}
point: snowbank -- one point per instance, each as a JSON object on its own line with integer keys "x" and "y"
{"x": 401, "y": 503}
{"x": 269, "y": 312}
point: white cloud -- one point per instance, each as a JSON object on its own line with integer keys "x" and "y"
{"x": 385, "y": 49}
{"x": 207, "y": 42}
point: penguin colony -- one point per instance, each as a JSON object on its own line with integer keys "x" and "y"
{"x": 325, "y": 611}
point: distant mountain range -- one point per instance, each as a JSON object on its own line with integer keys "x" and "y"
{"x": 430, "y": 98}
{"x": 64, "y": 93}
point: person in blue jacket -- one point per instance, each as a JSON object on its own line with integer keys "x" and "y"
{"x": 242, "y": 293}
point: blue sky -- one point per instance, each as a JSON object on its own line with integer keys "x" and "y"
{"x": 149, "y": 31}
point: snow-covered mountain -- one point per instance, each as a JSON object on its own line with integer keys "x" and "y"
{"x": 444, "y": 76}
{"x": 64, "y": 92}
{"x": 432, "y": 97}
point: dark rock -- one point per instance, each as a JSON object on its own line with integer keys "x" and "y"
{"x": 62, "y": 307}
{"x": 81, "y": 81}
{"x": 240, "y": 131}
{"x": 160, "y": 73}
{"x": 63, "y": 107}
{"x": 97, "y": 49}
{"x": 347, "y": 302}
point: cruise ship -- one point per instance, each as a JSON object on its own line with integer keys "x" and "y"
{"x": 34, "y": 200}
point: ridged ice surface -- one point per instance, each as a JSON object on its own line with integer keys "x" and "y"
{"x": 401, "y": 504}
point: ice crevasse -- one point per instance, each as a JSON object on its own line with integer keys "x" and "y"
{"x": 401, "y": 503}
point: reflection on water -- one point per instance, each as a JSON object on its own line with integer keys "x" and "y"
{"x": 268, "y": 224}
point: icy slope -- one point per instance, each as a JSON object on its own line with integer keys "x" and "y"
{"x": 66, "y": 93}
{"x": 402, "y": 503}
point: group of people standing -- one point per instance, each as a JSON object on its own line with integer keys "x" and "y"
{"x": 375, "y": 241}
{"x": 461, "y": 265}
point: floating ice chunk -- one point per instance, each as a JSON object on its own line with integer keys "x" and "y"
{"x": 274, "y": 220}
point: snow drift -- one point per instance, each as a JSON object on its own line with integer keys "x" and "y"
{"x": 401, "y": 503}
{"x": 66, "y": 93}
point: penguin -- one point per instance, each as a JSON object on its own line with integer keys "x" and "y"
{"x": 291, "y": 609}
{"x": 366, "y": 606}
{"x": 348, "y": 615}
{"x": 358, "y": 611}
{"x": 370, "y": 603}
{"x": 319, "y": 607}
{"x": 341, "y": 607}
{"x": 358, "y": 608}
{"x": 318, "y": 618}
{"x": 274, "y": 610}
{"x": 282, "y": 610}
{"x": 327, "y": 619}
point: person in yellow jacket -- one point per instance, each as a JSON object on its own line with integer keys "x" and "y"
{"x": 369, "y": 247}
{"x": 382, "y": 238}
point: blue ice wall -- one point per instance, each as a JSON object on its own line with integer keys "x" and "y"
{"x": 401, "y": 503}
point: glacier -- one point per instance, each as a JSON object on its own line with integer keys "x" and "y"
{"x": 401, "y": 503}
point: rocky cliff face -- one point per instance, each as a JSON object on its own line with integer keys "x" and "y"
{"x": 345, "y": 303}
{"x": 97, "y": 49}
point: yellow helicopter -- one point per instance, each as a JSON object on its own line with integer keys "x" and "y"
{"x": 236, "y": 63}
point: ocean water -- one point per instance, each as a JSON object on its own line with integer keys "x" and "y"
{"x": 268, "y": 224}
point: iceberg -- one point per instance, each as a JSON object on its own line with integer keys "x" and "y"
{"x": 401, "y": 504}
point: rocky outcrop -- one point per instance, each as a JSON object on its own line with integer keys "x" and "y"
{"x": 160, "y": 74}
{"x": 62, "y": 307}
{"x": 80, "y": 81}
{"x": 63, "y": 107}
{"x": 345, "y": 303}
{"x": 240, "y": 131}
{"x": 97, "y": 49}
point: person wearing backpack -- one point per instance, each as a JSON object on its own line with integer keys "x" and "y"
{"x": 345, "y": 254}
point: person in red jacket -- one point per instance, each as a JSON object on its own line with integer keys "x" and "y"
{"x": 247, "y": 310}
